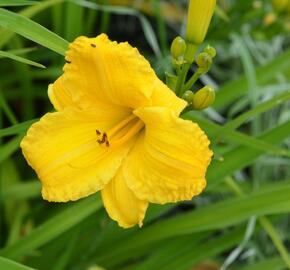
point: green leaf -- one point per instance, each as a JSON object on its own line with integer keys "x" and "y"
{"x": 231, "y": 91}
{"x": 26, "y": 190}
{"x": 275, "y": 263}
{"x": 72, "y": 215}
{"x": 16, "y": 3}
{"x": 146, "y": 26}
{"x": 236, "y": 137}
{"x": 242, "y": 156}
{"x": 17, "y": 129}
{"x": 261, "y": 108}
{"x": 33, "y": 31}
{"x": 213, "y": 217}
{"x": 9, "y": 148}
{"x": 20, "y": 59}
{"x": 28, "y": 12}
{"x": 6, "y": 264}
{"x": 184, "y": 252}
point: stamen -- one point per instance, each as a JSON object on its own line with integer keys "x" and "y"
{"x": 104, "y": 139}
{"x": 120, "y": 133}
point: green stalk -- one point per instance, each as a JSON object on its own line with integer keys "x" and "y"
{"x": 191, "y": 81}
{"x": 181, "y": 78}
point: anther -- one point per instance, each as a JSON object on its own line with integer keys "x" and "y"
{"x": 98, "y": 132}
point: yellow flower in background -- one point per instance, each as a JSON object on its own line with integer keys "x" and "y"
{"x": 116, "y": 130}
{"x": 280, "y": 5}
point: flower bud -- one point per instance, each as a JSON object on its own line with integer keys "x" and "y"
{"x": 188, "y": 96}
{"x": 178, "y": 47}
{"x": 203, "y": 98}
{"x": 280, "y": 5}
{"x": 200, "y": 13}
{"x": 211, "y": 51}
{"x": 204, "y": 60}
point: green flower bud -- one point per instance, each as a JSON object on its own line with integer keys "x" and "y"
{"x": 204, "y": 60}
{"x": 200, "y": 13}
{"x": 211, "y": 51}
{"x": 178, "y": 47}
{"x": 188, "y": 96}
{"x": 203, "y": 98}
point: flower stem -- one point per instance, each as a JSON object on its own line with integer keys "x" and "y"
{"x": 189, "y": 58}
{"x": 181, "y": 78}
{"x": 191, "y": 81}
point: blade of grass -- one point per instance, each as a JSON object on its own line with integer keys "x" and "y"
{"x": 20, "y": 128}
{"x": 72, "y": 215}
{"x": 7, "y": 110}
{"x": 33, "y": 31}
{"x": 275, "y": 263}
{"x": 25, "y": 83}
{"x": 6, "y": 264}
{"x": 156, "y": 8}
{"x": 231, "y": 91}
{"x": 236, "y": 137}
{"x": 146, "y": 26}
{"x": 261, "y": 108}
{"x": 185, "y": 254}
{"x": 9, "y": 148}
{"x": 16, "y": 3}
{"x": 20, "y": 51}
{"x": 242, "y": 156}
{"x": 105, "y": 17}
{"x": 20, "y": 59}
{"x": 73, "y": 21}
{"x": 28, "y": 12}
{"x": 217, "y": 216}
{"x": 266, "y": 225}
{"x": 26, "y": 190}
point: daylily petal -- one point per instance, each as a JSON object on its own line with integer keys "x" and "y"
{"x": 99, "y": 71}
{"x": 164, "y": 97}
{"x": 63, "y": 150}
{"x": 121, "y": 203}
{"x": 169, "y": 161}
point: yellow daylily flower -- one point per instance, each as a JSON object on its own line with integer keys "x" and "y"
{"x": 117, "y": 130}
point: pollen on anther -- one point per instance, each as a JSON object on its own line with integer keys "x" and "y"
{"x": 98, "y": 132}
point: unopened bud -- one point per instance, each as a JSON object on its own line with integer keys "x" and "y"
{"x": 188, "y": 96}
{"x": 200, "y": 13}
{"x": 204, "y": 60}
{"x": 178, "y": 47}
{"x": 211, "y": 51}
{"x": 203, "y": 98}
